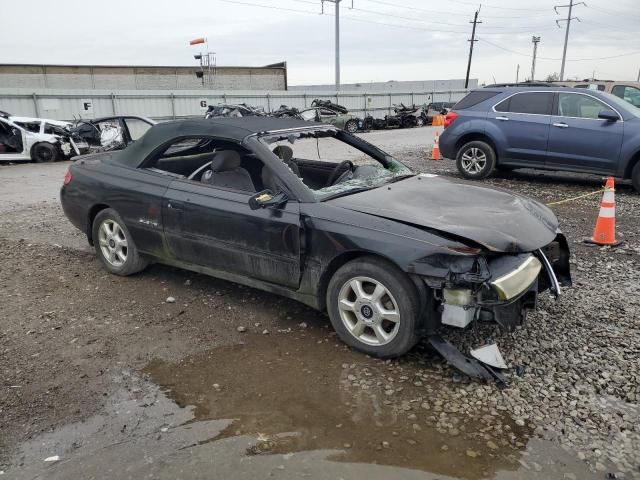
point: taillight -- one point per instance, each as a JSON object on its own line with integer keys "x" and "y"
{"x": 449, "y": 118}
{"x": 68, "y": 177}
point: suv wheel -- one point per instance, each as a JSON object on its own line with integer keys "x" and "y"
{"x": 114, "y": 245}
{"x": 635, "y": 177}
{"x": 374, "y": 307}
{"x": 476, "y": 160}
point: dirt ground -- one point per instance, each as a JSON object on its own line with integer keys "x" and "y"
{"x": 231, "y": 382}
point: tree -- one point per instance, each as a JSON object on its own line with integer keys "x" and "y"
{"x": 553, "y": 77}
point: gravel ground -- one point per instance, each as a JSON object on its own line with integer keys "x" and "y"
{"x": 571, "y": 410}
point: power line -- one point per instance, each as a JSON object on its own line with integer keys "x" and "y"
{"x": 495, "y": 6}
{"x": 627, "y": 54}
{"x": 431, "y": 11}
{"x": 615, "y": 13}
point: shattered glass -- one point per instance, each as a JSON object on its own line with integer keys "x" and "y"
{"x": 371, "y": 169}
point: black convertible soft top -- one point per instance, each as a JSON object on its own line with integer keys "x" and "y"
{"x": 235, "y": 129}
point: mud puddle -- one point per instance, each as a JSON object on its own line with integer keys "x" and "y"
{"x": 293, "y": 404}
{"x": 307, "y": 392}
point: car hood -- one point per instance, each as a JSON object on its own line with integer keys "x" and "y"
{"x": 496, "y": 219}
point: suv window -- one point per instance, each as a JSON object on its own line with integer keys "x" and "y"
{"x": 579, "y": 106}
{"x": 627, "y": 93}
{"x": 474, "y": 98}
{"x": 535, "y": 103}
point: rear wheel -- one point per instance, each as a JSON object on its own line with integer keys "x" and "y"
{"x": 476, "y": 160}
{"x": 374, "y": 307}
{"x": 44, "y": 152}
{"x": 635, "y": 177}
{"x": 114, "y": 245}
{"x": 351, "y": 126}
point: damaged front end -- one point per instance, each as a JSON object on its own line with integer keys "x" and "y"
{"x": 472, "y": 284}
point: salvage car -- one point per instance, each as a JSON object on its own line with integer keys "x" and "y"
{"x": 390, "y": 255}
{"x": 37, "y": 139}
{"x": 112, "y": 133}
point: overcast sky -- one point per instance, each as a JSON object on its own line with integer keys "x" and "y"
{"x": 381, "y": 40}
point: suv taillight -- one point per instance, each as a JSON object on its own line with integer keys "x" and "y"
{"x": 449, "y": 118}
{"x": 68, "y": 177}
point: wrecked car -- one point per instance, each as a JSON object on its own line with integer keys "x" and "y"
{"x": 112, "y": 133}
{"x": 38, "y": 140}
{"x": 227, "y": 110}
{"x": 318, "y": 215}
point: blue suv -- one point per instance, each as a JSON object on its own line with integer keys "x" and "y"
{"x": 552, "y": 128}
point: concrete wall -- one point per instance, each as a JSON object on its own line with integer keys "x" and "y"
{"x": 139, "y": 78}
{"x": 64, "y": 104}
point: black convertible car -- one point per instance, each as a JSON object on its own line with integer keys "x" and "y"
{"x": 321, "y": 216}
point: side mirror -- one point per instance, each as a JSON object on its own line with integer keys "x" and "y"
{"x": 608, "y": 115}
{"x": 266, "y": 199}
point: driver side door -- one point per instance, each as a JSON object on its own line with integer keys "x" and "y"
{"x": 215, "y": 228}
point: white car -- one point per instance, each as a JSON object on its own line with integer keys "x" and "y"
{"x": 37, "y": 139}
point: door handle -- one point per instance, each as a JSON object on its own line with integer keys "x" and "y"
{"x": 503, "y": 119}
{"x": 174, "y": 205}
{"x": 561, "y": 125}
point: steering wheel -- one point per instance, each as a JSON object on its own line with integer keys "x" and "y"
{"x": 333, "y": 178}
{"x": 199, "y": 170}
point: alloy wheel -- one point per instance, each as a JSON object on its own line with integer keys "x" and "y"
{"x": 473, "y": 160}
{"x": 368, "y": 311}
{"x": 113, "y": 243}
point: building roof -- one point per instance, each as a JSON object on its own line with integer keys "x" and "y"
{"x": 279, "y": 65}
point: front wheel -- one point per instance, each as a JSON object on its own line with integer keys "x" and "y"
{"x": 44, "y": 152}
{"x": 476, "y": 160}
{"x": 351, "y": 126}
{"x": 114, "y": 245}
{"x": 419, "y": 122}
{"x": 374, "y": 307}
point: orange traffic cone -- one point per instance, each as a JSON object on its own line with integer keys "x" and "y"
{"x": 605, "y": 231}
{"x": 435, "y": 151}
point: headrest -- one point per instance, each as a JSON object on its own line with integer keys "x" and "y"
{"x": 225, "y": 160}
{"x": 284, "y": 152}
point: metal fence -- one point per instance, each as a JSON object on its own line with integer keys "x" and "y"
{"x": 166, "y": 105}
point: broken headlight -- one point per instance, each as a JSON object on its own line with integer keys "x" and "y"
{"x": 515, "y": 281}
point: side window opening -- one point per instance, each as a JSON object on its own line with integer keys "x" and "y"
{"x": 532, "y": 103}
{"x": 210, "y": 161}
{"x": 474, "y": 98}
{"x": 579, "y": 106}
{"x": 33, "y": 127}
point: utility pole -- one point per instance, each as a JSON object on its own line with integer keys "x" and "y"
{"x": 337, "y": 41}
{"x": 535, "y": 41}
{"x": 566, "y": 33}
{"x": 517, "y": 73}
{"x": 472, "y": 41}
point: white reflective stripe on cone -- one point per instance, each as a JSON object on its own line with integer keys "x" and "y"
{"x": 608, "y": 212}
{"x": 608, "y": 197}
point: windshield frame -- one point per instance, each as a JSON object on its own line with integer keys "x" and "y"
{"x": 396, "y": 168}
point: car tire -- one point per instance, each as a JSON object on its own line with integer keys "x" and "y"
{"x": 114, "y": 245}
{"x": 635, "y": 177}
{"x": 383, "y": 317}
{"x": 351, "y": 126}
{"x": 419, "y": 122}
{"x": 44, "y": 152}
{"x": 476, "y": 160}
